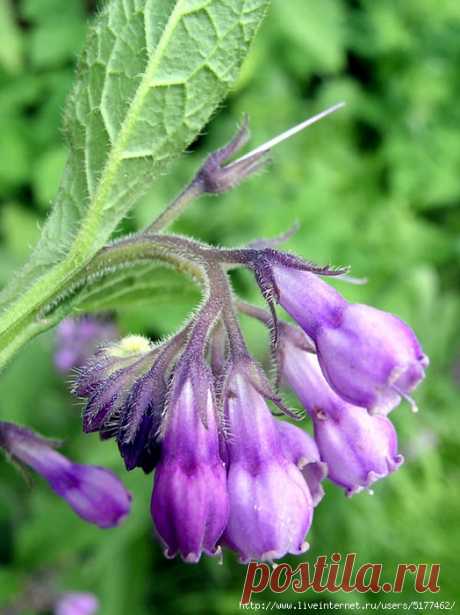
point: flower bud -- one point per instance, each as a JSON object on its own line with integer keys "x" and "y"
{"x": 122, "y": 360}
{"x": 119, "y": 393}
{"x": 189, "y": 500}
{"x": 357, "y": 447}
{"x": 76, "y": 603}
{"x": 370, "y": 358}
{"x": 94, "y": 493}
{"x": 271, "y": 507}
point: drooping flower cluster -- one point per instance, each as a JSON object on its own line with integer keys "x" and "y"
{"x": 228, "y": 473}
{"x": 197, "y": 408}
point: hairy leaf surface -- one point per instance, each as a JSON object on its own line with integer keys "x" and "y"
{"x": 151, "y": 74}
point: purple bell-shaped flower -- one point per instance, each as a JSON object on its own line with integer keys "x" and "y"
{"x": 369, "y": 357}
{"x": 189, "y": 500}
{"x": 358, "y": 448}
{"x": 271, "y": 508}
{"x": 94, "y": 493}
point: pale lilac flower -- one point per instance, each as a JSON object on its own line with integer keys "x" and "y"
{"x": 358, "y": 448}
{"x": 76, "y": 603}
{"x": 301, "y": 448}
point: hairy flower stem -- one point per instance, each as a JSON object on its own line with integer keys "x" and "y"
{"x": 37, "y": 310}
{"x": 119, "y": 255}
{"x": 216, "y": 177}
{"x": 194, "y": 258}
{"x": 221, "y": 285}
{"x": 254, "y": 311}
{"x": 207, "y": 266}
{"x": 217, "y": 349}
{"x": 192, "y": 191}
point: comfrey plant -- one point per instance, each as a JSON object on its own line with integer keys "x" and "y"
{"x": 197, "y": 407}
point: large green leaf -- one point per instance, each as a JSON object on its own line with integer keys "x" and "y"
{"x": 152, "y": 73}
{"x": 145, "y": 283}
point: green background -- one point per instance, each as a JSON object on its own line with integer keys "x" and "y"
{"x": 376, "y": 186}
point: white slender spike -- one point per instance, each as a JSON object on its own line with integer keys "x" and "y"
{"x": 268, "y": 145}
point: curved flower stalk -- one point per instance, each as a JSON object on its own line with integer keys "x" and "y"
{"x": 196, "y": 406}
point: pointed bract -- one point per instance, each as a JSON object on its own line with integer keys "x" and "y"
{"x": 126, "y": 386}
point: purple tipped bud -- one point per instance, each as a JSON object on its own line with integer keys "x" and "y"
{"x": 76, "y": 603}
{"x": 79, "y": 338}
{"x": 215, "y": 177}
{"x": 300, "y": 448}
{"x": 120, "y": 362}
{"x": 271, "y": 507}
{"x": 371, "y": 358}
{"x": 189, "y": 500}
{"x": 126, "y": 386}
{"x": 358, "y": 448}
{"x": 94, "y": 493}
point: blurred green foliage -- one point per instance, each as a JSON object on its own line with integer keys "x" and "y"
{"x": 375, "y": 186}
